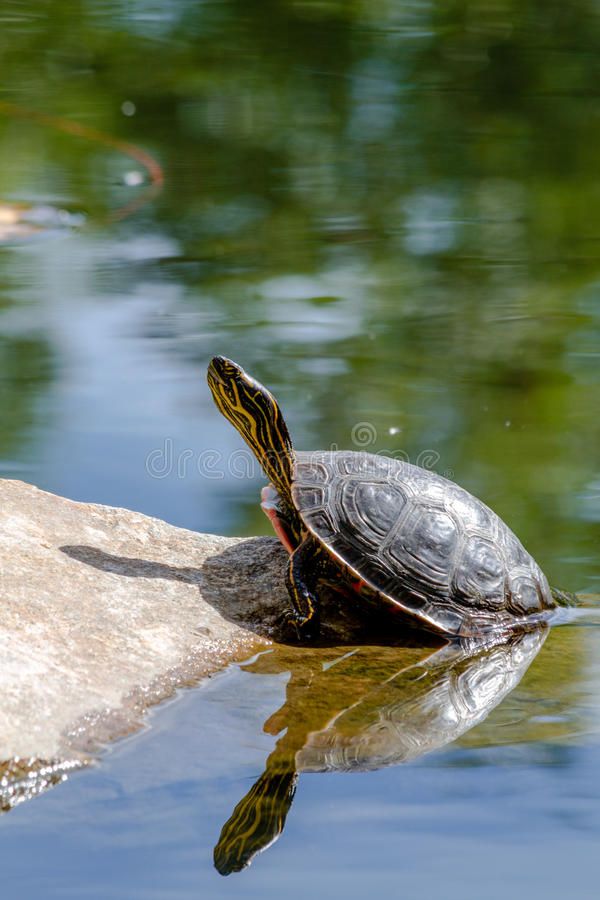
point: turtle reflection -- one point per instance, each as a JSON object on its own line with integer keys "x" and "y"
{"x": 363, "y": 708}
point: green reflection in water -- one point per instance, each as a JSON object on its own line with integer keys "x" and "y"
{"x": 26, "y": 368}
{"x": 429, "y": 170}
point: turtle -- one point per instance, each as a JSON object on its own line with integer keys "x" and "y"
{"x": 392, "y": 533}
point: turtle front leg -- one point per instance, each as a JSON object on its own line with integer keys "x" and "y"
{"x": 305, "y": 569}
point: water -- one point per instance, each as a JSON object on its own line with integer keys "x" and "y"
{"x": 517, "y": 796}
{"x": 388, "y": 214}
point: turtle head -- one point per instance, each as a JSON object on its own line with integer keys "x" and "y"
{"x": 254, "y": 412}
{"x": 224, "y": 377}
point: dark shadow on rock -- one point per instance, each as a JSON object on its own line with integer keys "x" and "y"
{"x": 241, "y": 582}
{"x": 245, "y": 584}
{"x": 129, "y": 566}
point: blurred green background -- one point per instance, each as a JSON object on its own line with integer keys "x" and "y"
{"x": 387, "y": 212}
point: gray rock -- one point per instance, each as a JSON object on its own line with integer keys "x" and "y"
{"x": 106, "y": 612}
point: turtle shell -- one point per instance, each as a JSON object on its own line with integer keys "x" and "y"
{"x": 419, "y": 541}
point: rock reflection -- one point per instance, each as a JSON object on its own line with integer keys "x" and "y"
{"x": 362, "y": 709}
{"x": 23, "y": 779}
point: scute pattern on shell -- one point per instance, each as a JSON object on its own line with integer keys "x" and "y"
{"x": 422, "y": 541}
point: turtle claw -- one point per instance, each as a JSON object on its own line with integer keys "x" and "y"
{"x": 298, "y": 628}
